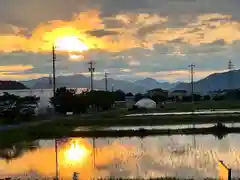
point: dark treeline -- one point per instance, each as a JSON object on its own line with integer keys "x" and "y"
{"x": 66, "y": 100}
{"x": 10, "y": 98}
{"x": 226, "y": 95}
{"x": 14, "y": 109}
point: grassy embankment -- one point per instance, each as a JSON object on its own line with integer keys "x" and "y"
{"x": 201, "y": 105}
{"x": 64, "y": 126}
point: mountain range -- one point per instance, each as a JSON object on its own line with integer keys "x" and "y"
{"x": 11, "y": 85}
{"x": 215, "y": 81}
{"x": 81, "y": 81}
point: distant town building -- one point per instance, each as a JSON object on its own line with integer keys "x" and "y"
{"x": 178, "y": 94}
{"x": 157, "y": 91}
{"x": 129, "y": 101}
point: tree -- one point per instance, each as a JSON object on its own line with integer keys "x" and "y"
{"x": 233, "y": 95}
{"x": 129, "y": 94}
{"x": 157, "y": 97}
{"x": 206, "y": 97}
{"x": 101, "y": 100}
{"x": 67, "y": 101}
{"x": 119, "y": 95}
{"x": 9, "y": 151}
{"x": 63, "y": 100}
{"x": 138, "y": 97}
{"x": 187, "y": 98}
{"x": 197, "y": 97}
{"x": 219, "y": 98}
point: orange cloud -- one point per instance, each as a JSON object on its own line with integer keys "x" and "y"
{"x": 47, "y": 33}
{"x": 15, "y": 68}
{"x": 206, "y": 28}
{"x": 20, "y": 76}
{"x": 125, "y": 70}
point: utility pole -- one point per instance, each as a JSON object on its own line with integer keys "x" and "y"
{"x": 54, "y": 93}
{"x": 54, "y": 70}
{"x": 91, "y": 69}
{"x": 192, "y": 82}
{"x": 230, "y": 78}
{"x": 50, "y": 80}
{"x": 192, "y": 89}
{"x": 112, "y": 87}
{"x": 94, "y": 157}
{"x": 106, "y": 81}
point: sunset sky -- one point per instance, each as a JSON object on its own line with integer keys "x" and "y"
{"x": 131, "y": 39}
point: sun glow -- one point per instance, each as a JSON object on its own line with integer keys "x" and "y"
{"x": 75, "y": 57}
{"x": 76, "y": 153}
{"x": 70, "y": 44}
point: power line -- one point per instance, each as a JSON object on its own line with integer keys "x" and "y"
{"x": 91, "y": 69}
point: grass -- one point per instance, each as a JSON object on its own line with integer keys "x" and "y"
{"x": 202, "y": 105}
{"x": 64, "y": 128}
{"x": 65, "y": 125}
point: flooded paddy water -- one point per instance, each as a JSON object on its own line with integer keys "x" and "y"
{"x": 159, "y": 156}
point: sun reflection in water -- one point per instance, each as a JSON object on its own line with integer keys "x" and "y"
{"x": 76, "y": 153}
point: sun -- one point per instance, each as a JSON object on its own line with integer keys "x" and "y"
{"x": 70, "y": 44}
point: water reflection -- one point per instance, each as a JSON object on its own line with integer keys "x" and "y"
{"x": 13, "y": 151}
{"x": 129, "y": 157}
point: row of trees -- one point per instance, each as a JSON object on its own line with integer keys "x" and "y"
{"x": 66, "y": 100}
{"x": 229, "y": 95}
{"x": 11, "y": 98}
{"x": 15, "y": 109}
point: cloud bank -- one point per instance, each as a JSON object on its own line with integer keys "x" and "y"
{"x": 128, "y": 38}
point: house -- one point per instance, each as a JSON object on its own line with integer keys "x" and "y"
{"x": 178, "y": 94}
{"x": 158, "y": 91}
{"x": 217, "y": 93}
{"x": 129, "y": 101}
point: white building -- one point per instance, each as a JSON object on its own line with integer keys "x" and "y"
{"x": 146, "y": 103}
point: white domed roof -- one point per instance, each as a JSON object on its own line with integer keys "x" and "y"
{"x": 146, "y": 103}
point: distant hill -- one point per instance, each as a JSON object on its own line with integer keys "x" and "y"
{"x": 11, "y": 85}
{"x": 149, "y": 82}
{"x": 81, "y": 81}
{"x": 213, "y": 82}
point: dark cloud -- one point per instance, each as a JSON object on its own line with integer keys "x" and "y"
{"x": 100, "y": 33}
{"x": 176, "y": 41}
{"x": 112, "y": 7}
{"x": 20, "y": 17}
{"x": 219, "y": 42}
{"x": 142, "y": 32}
{"x": 27, "y": 13}
{"x": 113, "y": 23}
